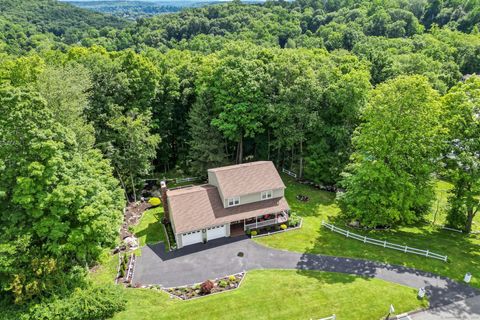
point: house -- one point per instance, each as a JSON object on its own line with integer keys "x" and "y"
{"x": 236, "y": 199}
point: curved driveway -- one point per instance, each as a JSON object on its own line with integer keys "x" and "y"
{"x": 221, "y": 257}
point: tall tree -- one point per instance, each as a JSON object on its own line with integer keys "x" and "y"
{"x": 207, "y": 145}
{"x": 389, "y": 180}
{"x": 63, "y": 207}
{"x": 462, "y": 106}
{"x": 132, "y": 148}
{"x": 239, "y": 99}
{"x": 65, "y": 88}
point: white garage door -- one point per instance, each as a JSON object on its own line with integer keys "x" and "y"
{"x": 216, "y": 232}
{"x": 191, "y": 237}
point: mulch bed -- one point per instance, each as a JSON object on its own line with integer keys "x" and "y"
{"x": 194, "y": 291}
{"x": 133, "y": 213}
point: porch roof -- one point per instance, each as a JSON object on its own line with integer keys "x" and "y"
{"x": 201, "y": 207}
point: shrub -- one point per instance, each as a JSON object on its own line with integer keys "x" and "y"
{"x": 154, "y": 201}
{"x": 223, "y": 283}
{"x": 253, "y": 233}
{"x": 248, "y": 232}
{"x": 232, "y": 278}
{"x": 84, "y": 304}
{"x": 206, "y": 287}
{"x": 283, "y": 226}
{"x": 293, "y": 220}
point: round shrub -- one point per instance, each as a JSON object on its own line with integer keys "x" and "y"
{"x": 206, "y": 287}
{"x": 253, "y": 233}
{"x": 154, "y": 201}
{"x": 232, "y": 278}
{"x": 283, "y": 226}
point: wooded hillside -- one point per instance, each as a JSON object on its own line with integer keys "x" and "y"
{"x": 377, "y": 97}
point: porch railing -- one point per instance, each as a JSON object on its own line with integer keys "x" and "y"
{"x": 282, "y": 217}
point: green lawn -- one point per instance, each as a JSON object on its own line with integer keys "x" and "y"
{"x": 149, "y": 229}
{"x": 290, "y": 294}
{"x": 280, "y": 294}
{"x": 463, "y": 251}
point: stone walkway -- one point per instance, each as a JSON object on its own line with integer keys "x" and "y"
{"x": 221, "y": 257}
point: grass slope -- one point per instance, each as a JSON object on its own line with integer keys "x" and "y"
{"x": 280, "y": 294}
{"x": 149, "y": 229}
{"x": 463, "y": 250}
{"x": 264, "y": 294}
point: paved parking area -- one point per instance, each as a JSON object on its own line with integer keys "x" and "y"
{"x": 220, "y": 257}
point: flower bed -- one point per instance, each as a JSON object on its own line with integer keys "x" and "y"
{"x": 206, "y": 288}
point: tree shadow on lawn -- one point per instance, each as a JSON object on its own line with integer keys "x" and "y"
{"x": 153, "y": 232}
{"x": 318, "y": 200}
{"x": 464, "y": 256}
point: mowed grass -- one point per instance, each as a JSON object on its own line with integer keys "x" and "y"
{"x": 149, "y": 229}
{"x": 280, "y": 294}
{"x": 264, "y": 294}
{"x": 463, "y": 251}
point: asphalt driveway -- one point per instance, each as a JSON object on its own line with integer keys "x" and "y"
{"x": 226, "y": 256}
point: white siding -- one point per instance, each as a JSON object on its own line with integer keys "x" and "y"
{"x": 254, "y": 197}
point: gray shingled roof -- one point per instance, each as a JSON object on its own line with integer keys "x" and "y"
{"x": 247, "y": 178}
{"x": 200, "y": 207}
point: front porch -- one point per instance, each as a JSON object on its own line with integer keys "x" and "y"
{"x": 265, "y": 220}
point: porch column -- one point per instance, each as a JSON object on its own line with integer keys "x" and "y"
{"x": 244, "y": 228}
{"x": 256, "y": 222}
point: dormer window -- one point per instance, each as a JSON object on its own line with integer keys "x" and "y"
{"x": 267, "y": 194}
{"x": 231, "y": 202}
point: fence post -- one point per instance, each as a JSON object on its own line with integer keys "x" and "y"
{"x": 406, "y": 248}
{"x": 445, "y": 259}
{"x": 427, "y": 253}
{"x": 364, "y": 239}
{"x": 385, "y": 243}
{"x": 348, "y": 233}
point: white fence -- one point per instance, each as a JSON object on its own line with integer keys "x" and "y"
{"x": 385, "y": 243}
{"x": 181, "y": 180}
{"x": 290, "y": 173}
{"x": 332, "y": 317}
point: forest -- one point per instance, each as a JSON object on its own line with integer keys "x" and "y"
{"x": 373, "y": 97}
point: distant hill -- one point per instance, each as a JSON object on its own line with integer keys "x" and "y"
{"x": 24, "y": 23}
{"x": 131, "y": 9}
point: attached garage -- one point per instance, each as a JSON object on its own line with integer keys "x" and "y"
{"x": 192, "y": 237}
{"x": 217, "y": 232}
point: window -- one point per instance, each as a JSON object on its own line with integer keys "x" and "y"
{"x": 235, "y": 201}
{"x": 267, "y": 194}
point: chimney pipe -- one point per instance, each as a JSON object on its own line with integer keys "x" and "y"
{"x": 163, "y": 190}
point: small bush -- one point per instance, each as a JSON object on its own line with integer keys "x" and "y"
{"x": 253, "y": 233}
{"x": 206, "y": 287}
{"x": 293, "y": 220}
{"x": 84, "y": 304}
{"x": 232, "y": 278}
{"x": 283, "y": 226}
{"x": 154, "y": 201}
{"x": 248, "y": 232}
{"x": 223, "y": 283}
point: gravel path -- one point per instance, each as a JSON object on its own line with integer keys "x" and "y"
{"x": 221, "y": 257}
